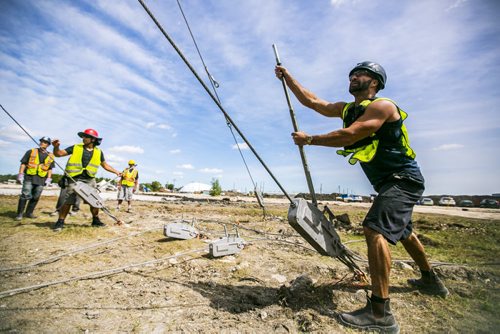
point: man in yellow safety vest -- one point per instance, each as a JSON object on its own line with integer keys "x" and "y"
{"x": 82, "y": 165}
{"x": 35, "y": 172}
{"x": 374, "y": 134}
{"x": 127, "y": 185}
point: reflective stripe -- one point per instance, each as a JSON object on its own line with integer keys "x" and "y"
{"x": 33, "y": 162}
{"x": 74, "y": 165}
{"x": 128, "y": 178}
{"x": 34, "y": 165}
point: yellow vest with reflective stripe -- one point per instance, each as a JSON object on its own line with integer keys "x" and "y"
{"x": 74, "y": 166}
{"x": 367, "y": 152}
{"x": 128, "y": 177}
{"x": 34, "y": 165}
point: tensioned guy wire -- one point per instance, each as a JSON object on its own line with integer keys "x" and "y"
{"x": 221, "y": 108}
{"x": 215, "y": 85}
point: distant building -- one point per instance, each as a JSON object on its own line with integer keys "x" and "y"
{"x": 195, "y": 187}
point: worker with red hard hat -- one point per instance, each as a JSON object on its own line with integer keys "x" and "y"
{"x": 83, "y": 163}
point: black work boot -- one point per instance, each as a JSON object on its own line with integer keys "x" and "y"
{"x": 20, "y": 208}
{"x": 58, "y": 225}
{"x": 430, "y": 283}
{"x": 97, "y": 223}
{"x": 30, "y": 208}
{"x": 374, "y": 316}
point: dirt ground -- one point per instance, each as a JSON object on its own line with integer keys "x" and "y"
{"x": 132, "y": 279}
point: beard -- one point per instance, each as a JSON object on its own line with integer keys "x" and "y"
{"x": 360, "y": 87}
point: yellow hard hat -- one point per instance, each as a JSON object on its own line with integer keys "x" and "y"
{"x": 131, "y": 162}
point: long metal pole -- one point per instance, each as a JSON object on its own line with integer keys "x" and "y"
{"x": 37, "y": 144}
{"x": 296, "y": 128}
{"x": 179, "y": 52}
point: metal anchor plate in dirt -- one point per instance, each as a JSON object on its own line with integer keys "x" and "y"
{"x": 314, "y": 226}
{"x": 89, "y": 194}
{"x": 228, "y": 245}
{"x": 180, "y": 231}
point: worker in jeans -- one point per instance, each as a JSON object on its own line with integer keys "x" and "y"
{"x": 35, "y": 173}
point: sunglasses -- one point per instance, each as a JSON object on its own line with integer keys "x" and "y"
{"x": 359, "y": 73}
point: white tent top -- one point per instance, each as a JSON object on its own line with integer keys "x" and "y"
{"x": 195, "y": 187}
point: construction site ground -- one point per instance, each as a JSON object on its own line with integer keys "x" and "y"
{"x": 132, "y": 279}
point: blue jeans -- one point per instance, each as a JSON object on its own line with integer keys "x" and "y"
{"x": 31, "y": 191}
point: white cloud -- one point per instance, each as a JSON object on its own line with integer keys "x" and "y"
{"x": 185, "y": 166}
{"x": 136, "y": 88}
{"x": 14, "y": 133}
{"x": 114, "y": 158}
{"x": 337, "y": 3}
{"x": 242, "y": 146}
{"x": 448, "y": 147}
{"x": 211, "y": 170}
{"x": 457, "y": 4}
{"x": 162, "y": 126}
{"x": 181, "y": 174}
{"x": 126, "y": 149}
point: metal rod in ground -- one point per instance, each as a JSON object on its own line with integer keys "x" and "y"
{"x": 179, "y": 52}
{"x": 296, "y": 128}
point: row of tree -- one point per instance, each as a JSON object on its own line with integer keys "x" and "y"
{"x": 153, "y": 186}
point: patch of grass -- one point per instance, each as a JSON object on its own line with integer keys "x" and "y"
{"x": 243, "y": 272}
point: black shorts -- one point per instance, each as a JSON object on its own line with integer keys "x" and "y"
{"x": 390, "y": 214}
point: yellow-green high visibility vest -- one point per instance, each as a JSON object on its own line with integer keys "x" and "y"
{"x": 75, "y": 167}
{"x": 34, "y": 165}
{"x": 368, "y": 148}
{"x": 128, "y": 177}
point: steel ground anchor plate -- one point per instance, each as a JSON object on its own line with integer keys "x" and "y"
{"x": 313, "y": 226}
{"x": 226, "y": 246}
{"x": 180, "y": 231}
{"x": 89, "y": 194}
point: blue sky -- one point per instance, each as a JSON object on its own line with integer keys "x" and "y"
{"x": 70, "y": 65}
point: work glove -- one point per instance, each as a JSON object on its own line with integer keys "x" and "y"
{"x": 48, "y": 181}
{"x": 20, "y": 178}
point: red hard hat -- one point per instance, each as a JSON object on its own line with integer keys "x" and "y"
{"x": 89, "y": 132}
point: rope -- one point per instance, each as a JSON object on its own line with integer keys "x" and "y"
{"x": 113, "y": 271}
{"x": 94, "y": 275}
{"x": 57, "y": 257}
